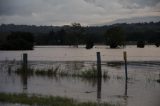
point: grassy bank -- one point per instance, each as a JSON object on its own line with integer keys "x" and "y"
{"x": 44, "y": 100}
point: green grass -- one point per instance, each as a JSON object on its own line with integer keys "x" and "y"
{"x": 44, "y": 100}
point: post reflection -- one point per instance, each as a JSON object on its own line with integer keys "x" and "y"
{"x": 99, "y": 85}
{"x": 126, "y": 93}
{"x": 9, "y": 70}
{"x": 24, "y": 80}
{"x": 126, "y": 89}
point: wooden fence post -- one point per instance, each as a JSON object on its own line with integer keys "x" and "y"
{"x": 126, "y": 73}
{"x": 99, "y": 71}
{"x": 125, "y": 62}
{"x": 25, "y": 61}
{"x": 99, "y": 75}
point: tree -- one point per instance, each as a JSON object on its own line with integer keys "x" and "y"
{"x": 76, "y": 32}
{"x": 157, "y": 43}
{"x": 89, "y": 43}
{"x": 140, "y": 44}
{"x": 61, "y": 36}
{"x": 114, "y": 37}
{"x": 51, "y": 39}
{"x": 76, "y": 25}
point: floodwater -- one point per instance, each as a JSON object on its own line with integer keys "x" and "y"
{"x": 142, "y": 88}
{"x": 66, "y": 53}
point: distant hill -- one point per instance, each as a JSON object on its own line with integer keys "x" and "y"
{"x": 132, "y": 20}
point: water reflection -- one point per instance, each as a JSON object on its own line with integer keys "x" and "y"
{"x": 24, "y": 80}
{"x": 9, "y": 70}
{"x": 116, "y": 65}
{"x": 114, "y": 89}
{"x": 99, "y": 86}
{"x": 126, "y": 89}
{"x": 126, "y": 93}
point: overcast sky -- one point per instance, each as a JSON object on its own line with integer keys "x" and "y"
{"x": 86, "y": 12}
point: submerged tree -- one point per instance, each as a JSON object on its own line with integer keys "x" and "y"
{"x": 157, "y": 43}
{"x": 114, "y": 37}
{"x": 89, "y": 43}
{"x": 140, "y": 44}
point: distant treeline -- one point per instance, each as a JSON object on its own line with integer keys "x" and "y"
{"x": 75, "y": 34}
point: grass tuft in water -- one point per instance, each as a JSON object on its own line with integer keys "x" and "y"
{"x": 28, "y": 72}
{"x": 158, "y": 80}
{"x": 105, "y": 75}
{"x": 90, "y": 73}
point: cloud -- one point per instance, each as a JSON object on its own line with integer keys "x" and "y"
{"x": 131, "y": 4}
{"x": 125, "y": 3}
{"x": 59, "y": 12}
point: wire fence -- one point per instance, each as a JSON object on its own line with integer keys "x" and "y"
{"x": 88, "y": 59}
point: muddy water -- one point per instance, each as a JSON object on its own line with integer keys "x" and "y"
{"x": 143, "y": 71}
{"x": 142, "y": 88}
{"x": 66, "y": 53}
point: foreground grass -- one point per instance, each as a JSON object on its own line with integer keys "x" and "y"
{"x": 44, "y": 100}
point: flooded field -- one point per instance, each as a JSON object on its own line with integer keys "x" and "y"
{"x": 67, "y": 53}
{"x": 142, "y": 88}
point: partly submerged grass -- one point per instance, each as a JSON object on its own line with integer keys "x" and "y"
{"x": 44, "y": 100}
{"x": 39, "y": 72}
{"x": 88, "y": 73}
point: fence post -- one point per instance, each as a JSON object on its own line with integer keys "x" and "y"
{"x": 126, "y": 73}
{"x": 125, "y": 62}
{"x": 25, "y": 61}
{"x": 99, "y": 75}
{"x": 99, "y": 72}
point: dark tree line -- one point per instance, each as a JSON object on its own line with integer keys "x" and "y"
{"x": 18, "y": 41}
{"x": 114, "y": 35}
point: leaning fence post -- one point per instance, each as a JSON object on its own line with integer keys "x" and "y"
{"x": 125, "y": 62}
{"x": 25, "y": 61}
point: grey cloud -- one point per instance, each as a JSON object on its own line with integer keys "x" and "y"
{"x": 90, "y": 1}
{"x": 126, "y": 3}
{"x": 12, "y": 7}
{"x": 68, "y": 11}
{"x": 27, "y": 7}
{"x": 138, "y": 3}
